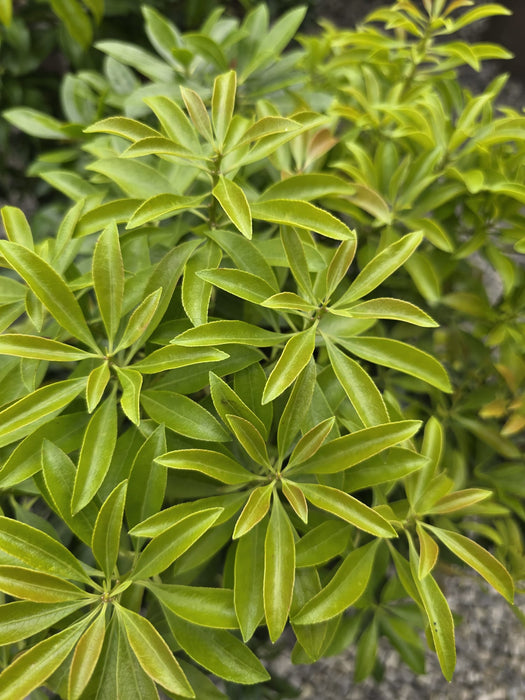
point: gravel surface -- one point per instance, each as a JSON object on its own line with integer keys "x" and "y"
{"x": 490, "y": 644}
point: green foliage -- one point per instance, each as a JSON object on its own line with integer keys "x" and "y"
{"x": 253, "y": 378}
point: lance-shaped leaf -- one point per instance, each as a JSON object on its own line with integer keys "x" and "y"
{"x": 248, "y": 580}
{"x": 25, "y": 618}
{"x": 208, "y": 607}
{"x": 140, "y": 319}
{"x": 106, "y": 534}
{"x": 288, "y": 301}
{"x": 87, "y": 653}
{"x": 197, "y": 111}
{"x": 311, "y": 442}
{"x": 16, "y": 226}
{"x": 96, "y": 453}
{"x": 245, "y": 254}
{"x": 37, "y": 348}
{"x": 131, "y": 383}
{"x": 346, "y": 587}
{"x": 182, "y": 415}
{"x": 459, "y": 500}
{"x": 159, "y": 206}
{"x": 124, "y": 674}
{"x": 294, "y": 358}
{"x": 432, "y": 448}
{"x": 228, "y": 332}
{"x": 162, "y": 551}
{"x": 174, "y": 121}
{"x": 339, "y": 264}
{"x": 153, "y": 654}
{"x": 428, "y": 552}
{"x": 295, "y": 497}
{"x": 324, "y": 542}
{"x": 390, "y": 465}
{"x": 124, "y": 127}
{"x": 223, "y": 103}
{"x": 296, "y": 257}
{"x": 307, "y": 186}
{"x": 147, "y": 479}
{"x": 254, "y": 511}
{"x": 238, "y": 282}
{"x": 394, "y": 309}
{"x": 196, "y": 292}
{"x": 36, "y": 586}
{"x": 39, "y": 551}
{"x": 26, "y": 415}
{"x": 296, "y": 408}
{"x": 268, "y": 126}
{"x": 401, "y": 356}
{"x": 250, "y": 438}
{"x": 108, "y": 279}
{"x": 218, "y": 651}
{"x": 279, "y": 570}
{"x": 290, "y": 212}
{"x": 209, "y": 462}
{"x": 479, "y": 559}
{"x": 50, "y": 288}
{"x": 134, "y": 178}
{"x": 344, "y": 452}
{"x": 31, "y": 669}
{"x": 96, "y": 384}
{"x": 226, "y": 401}
{"x": 234, "y": 203}
{"x": 173, "y": 357}
{"x": 348, "y": 508}
{"x": 364, "y": 396}
{"x": 381, "y": 267}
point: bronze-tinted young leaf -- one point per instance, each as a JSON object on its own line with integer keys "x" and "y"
{"x": 37, "y": 586}
{"x": 223, "y": 103}
{"x": 209, "y": 462}
{"x": 108, "y": 279}
{"x": 85, "y": 658}
{"x": 254, "y": 511}
{"x": 209, "y": 607}
{"x": 248, "y": 580}
{"x": 294, "y": 358}
{"x": 106, "y": 534}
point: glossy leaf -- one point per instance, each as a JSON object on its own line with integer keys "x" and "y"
{"x": 296, "y": 408}
{"x": 428, "y": 552}
{"x": 173, "y": 357}
{"x": 147, "y": 480}
{"x": 85, "y": 658}
{"x": 209, "y": 607}
{"x": 233, "y": 201}
{"x": 106, "y": 534}
{"x": 311, "y": 441}
{"x": 295, "y": 497}
{"x": 254, "y": 511}
{"x": 196, "y": 292}
{"x": 248, "y": 580}
{"x": 392, "y": 309}
{"x": 131, "y": 383}
{"x": 294, "y": 358}
{"x": 182, "y": 415}
{"x": 226, "y": 401}
{"x": 227, "y": 332}
{"x": 37, "y": 586}
{"x": 108, "y": 279}
{"x": 16, "y": 226}
{"x": 322, "y": 543}
{"x": 197, "y": 111}
{"x": 238, "y": 282}
{"x": 209, "y": 462}
{"x": 304, "y": 215}
{"x": 96, "y": 384}
{"x": 35, "y": 347}
{"x": 250, "y": 438}
{"x": 222, "y": 103}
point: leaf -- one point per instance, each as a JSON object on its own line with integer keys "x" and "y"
{"x": 106, "y": 534}
{"x": 402, "y": 357}
{"x": 459, "y": 500}
{"x": 196, "y": 292}
{"x": 124, "y": 676}
{"x": 208, "y": 607}
{"x": 479, "y": 559}
{"x": 344, "y": 452}
{"x": 223, "y": 103}
{"x": 96, "y": 453}
{"x": 158, "y": 206}
{"x": 17, "y": 227}
{"x": 345, "y": 587}
{"x": 214, "y": 464}
{"x": 295, "y": 497}
{"x": 428, "y": 552}
{"x": 174, "y": 122}
{"x": 147, "y": 480}
{"x": 35, "y": 123}
{"x": 296, "y": 257}
{"x": 182, "y": 415}
{"x": 143, "y": 61}
{"x": 228, "y": 332}
{"x": 140, "y": 319}
{"x": 134, "y": 178}
{"x": 153, "y": 654}
{"x": 23, "y": 619}
{"x": 124, "y": 127}
{"x": 35, "y": 347}
{"x": 240, "y": 283}
{"x": 268, "y": 126}
{"x": 162, "y": 551}
{"x": 349, "y": 509}
{"x": 6, "y": 12}
{"x": 290, "y": 212}
{"x": 311, "y": 442}
{"x": 248, "y": 581}
{"x": 390, "y": 465}
{"x": 233, "y": 201}
{"x": 197, "y": 111}
{"x": 296, "y": 408}
{"x": 37, "y": 586}
{"x": 226, "y": 402}
{"x": 173, "y": 357}
{"x": 39, "y": 551}
{"x": 86, "y": 656}
{"x": 394, "y": 309}
{"x": 324, "y": 542}
{"x": 50, "y": 288}
{"x": 75, "y": 20}
{"x": 29, "y": 413}
{"x": 254, "y": 511}
{"x": 108, "y": 279}
{"x": 294, "y": 358}
{"x": 307, "y": 186}
{"x": 364, "y": 396}
{"x": 218, "y": 651}
{"x": 131, "y": 383}
{"x": 250, "y": 438}
{"x": 97, "y": 382}
{"x": 119, "y": 210}
{"x": 279, "y": 570}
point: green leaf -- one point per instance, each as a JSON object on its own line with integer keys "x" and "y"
{"x": 38, "y": 348}
{"x": 295, "y": 497}
{"x": 153, "y": 654}
{"x": 24, "y": 619}
{"x": 339, "y": 264}
{"x": 290, "y": 212}
{"x": 125, "y": 676}
{"x": 254, "y": 511}
{"x": 17, "y": 227}
{"x": 233, "y": 201}
{"x": 97, "y": 382}
{"x": 108, "y": 279}
{"x": 228, "y": 332}
{"x": 37, "y": 586}
{"x": 344, "y": 452}
{"x": 346, "y": 587}
{"x": 131, "y": 383}
{"x": 459, "y": 500}
{"x": 324, "y": 542}
{"x": 238, "y": 282}
{"x": 106, "y": 534}
{"x": 39, "y": 551}
{"x": 119, "y": 210}
{"x": 86, "y": 656}
{"x": 6, "y": 12}
{"x": 208, "y": 607}
{"x": 296, "y": 408}
{"x": 31, "y": 669}
{"x": 218, "y": 651}
{"x": 182, "y": 415}
{"x": 279, "y": 570}
{"x": 173, "y": 356}
{"x": 227, "y": 402}
{"x": 134, "y": 178}
{"x": 143, "y": 61}
{"x": 50, "y": 288}
{"x": 295, "y": 254}
{"x": 248, "y": 581}
{"x": 311, "y": 441}
{"x": 174, "y": 122}
{"x": 140, "y": 319}
{"x": 250, "y": 438}
{"x": 158, "y": 206}
{"x": 209, "y": 462}
{"x": 267, "y": 126}
{"x": 223, "y": 103}
{"x": 479, "y": 559}
{"x": 124, "y": 127}
{"x": 394, "y": 309}
{"x": 197, "y": 111}
{"x": 364, "y": 396}
{"x": 23, "y": 417}
{"x": 390, "y": 465}
{"x": 75, "y": 20}
{"x": 428, "y": 552}
{"x": 35, "y": 123}
{"x": 307, "y": 186}
{"x": 196, "y": 292}
{"x": 294, "y": 358}
{"x": 96, "y": 453}
{"x": 147, "y": 480}
{"x": 349, "y": 509}
{"x": 162, "y": 35}
{"x": 162, "y": 551}
{"x": 402, "y": 357}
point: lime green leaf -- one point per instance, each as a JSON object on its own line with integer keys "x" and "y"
{"x": 478, "y": 13}
{"x": 50, "y": 288}
{"x": 35, "y": 123}
{"x": 250, "y": 438}
{"x": 208, "y": 607}
{"x": 37, "y": 586}
{"x": 295, "y": 497}
{"x": 87, "y": 653}
{"x": 196, "y": 292}
{"x": 143, "y": 61}
{"x": 307, "y": 186}
{"x": 38, "y": 348}
{"x": 394, "y": 309}
{"x": 119, "y": 210}
{"x": 322, "y": 543}
{"x": 17, "y": 227}
{"x": 248, "y": 581}
{"x": 96, "y": 384}
{"x": 279, "y": 570}
{"x": 479, "y": 559}
{"x": 459, "y": 500}
{"x": 296, "y": 408}
{"x": 174, "y": 122}
{"x": 238, "y": 282}
{"x": 268, "y": 126}
{"x": 147, "y": 480}
{"x": 24, "y": 619}
{"x": 348, "y": 508}
{"x": 254, "y": 511}
{"x": 6, "y": 12}
{"x": 311, "y": 442}
{"x": 290, "y": 212}
{"x": 96, "y": 453}
{"x": 173, "y": 356}
{"x": 218, "y": 651}
{"x": 346, "y": 586}
{"x": 131, "y": 383}
{"x": 122, "y": 126}
{"x": 428, "y": 552}
{"x": 389, "y": 465}
{"x": 402, "y": 357}
{"x": 294, "y": 358}
{"x": 27, "y": 414}
{"x": 124, "y": 675}
{"x": 233, "y": 201}
{"x": 208, "y": 462}
{"x": 140, "y": 319}
{"x": 223, "y": 103}
{"x": 108, "y": 279}
{"x": 182, "y": 415}
{"x": 159, "y": 206}
{"x": 339, "y": 264}
{"x": 197, "y": 111}
{"x": 288, "y": 300}
{"x": 226, "y": 402}
{"x": 228, "y": 332}
{"x": 153, "y": 654}
{"x": 106, "y": 534}
{"x": 162, "y": 551}
{"x": 136, "y": 179}
{"x": 75, "y": 20}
